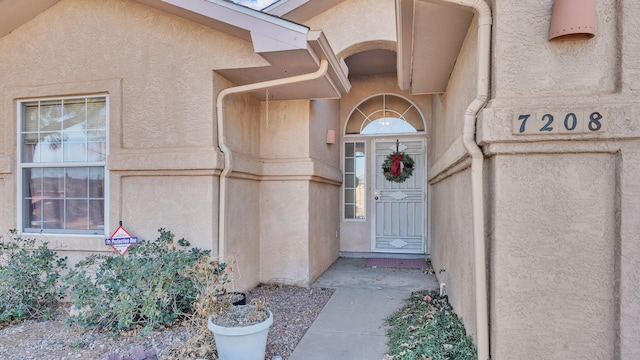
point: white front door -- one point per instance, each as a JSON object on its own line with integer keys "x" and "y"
{"x": 399, "y": 219}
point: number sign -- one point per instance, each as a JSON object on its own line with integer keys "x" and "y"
{"x": 558, "y": 122}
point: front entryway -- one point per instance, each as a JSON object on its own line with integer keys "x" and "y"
{"x": 384, "y": 214}
{"x": 398, "y": 211}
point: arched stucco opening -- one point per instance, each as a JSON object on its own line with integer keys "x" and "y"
{"x": 370, "y": 58}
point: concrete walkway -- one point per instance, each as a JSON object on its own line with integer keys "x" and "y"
{"x": 351, "y": 325}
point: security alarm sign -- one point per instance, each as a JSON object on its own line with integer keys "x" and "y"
{"x": 120, "y": 240}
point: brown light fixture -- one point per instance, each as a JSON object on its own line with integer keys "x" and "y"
{"x": 573, "y": 20}
{"x": 331, "y": 136}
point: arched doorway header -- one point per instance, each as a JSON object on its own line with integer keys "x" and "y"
{"x": 384, "y": 113}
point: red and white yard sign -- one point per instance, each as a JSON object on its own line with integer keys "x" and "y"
{"x": 120, "y": 240}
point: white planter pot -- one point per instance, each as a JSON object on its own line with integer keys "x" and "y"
{"x": 241, "y": 343}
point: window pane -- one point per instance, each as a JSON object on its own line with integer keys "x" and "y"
{"x": 349, "y": 212}
{"x": 77, "y": 183}
{"x": 360, "y": 211}
{"x": 76, "y": 214}
{"x": 52, "y": 214}
{"x": 96, "y": 113}
{"x": 74, "y": 114}
{"x": 64, "y": 198}
{"x": 29, "y": 145}
{"x": 96, "y": 145}
{"x": 50, "y": 115}
{"x": 354, "y": 180}
{"x": 32, "y": 179}
{"x": 49, "y": 148}
{"x": 360, "y": 167}
{"x": 72, "y": 132}
{"x": 349, "y": 165}
{"x": 348, "y": 150}
{"x": 388, "y": 126}
{"x": 32, "y": 195}
{"x": 96, "y": 214}
{"x": 30, "y": 117}
{"x": 96, "y": 182}
{"x": 349, "y": 196}
{"x": 349, "y": 182}
{"x": 385, "y": 114}
{"x": 75, "y": 145}
{"x": 53, "y": 182}
{"x": 354, "y": 123}
{"x": 57, "y": 130}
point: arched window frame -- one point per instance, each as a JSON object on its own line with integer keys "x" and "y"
{"x": 369, "y": 116}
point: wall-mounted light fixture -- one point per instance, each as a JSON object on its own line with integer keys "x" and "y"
{"x": 573, "y": 20}
{"x": 331, "y": 136}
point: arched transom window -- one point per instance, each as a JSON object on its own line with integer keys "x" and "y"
{"x": 384, "y": 114}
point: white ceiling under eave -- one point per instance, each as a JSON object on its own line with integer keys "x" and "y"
{"x": 430, "y": 37}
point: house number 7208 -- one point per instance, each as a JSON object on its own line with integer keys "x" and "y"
{"x": 569, "y": 122}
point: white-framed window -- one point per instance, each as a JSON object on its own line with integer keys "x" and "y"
{"x": 383, "y": 114}
{"x": 354, "y": 184}
{"x": 62, "y": 153}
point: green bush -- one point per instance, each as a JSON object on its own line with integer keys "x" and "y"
{"x": 427, "y": 328}
{"x": 29, "y": 274}
{"x": 145, "y": 289}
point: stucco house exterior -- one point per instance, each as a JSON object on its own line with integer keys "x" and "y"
{"x": 262, "y": 135}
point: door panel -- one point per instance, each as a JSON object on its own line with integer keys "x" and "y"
{"x": 399, "y": 208}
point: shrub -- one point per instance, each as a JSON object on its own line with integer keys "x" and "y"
{"x": 144, "y": 290}
{"x": 427, "y": 328}
{"x": 29, "y": 286}
{"x": 210, "y": 277}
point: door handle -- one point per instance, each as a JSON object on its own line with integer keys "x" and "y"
{"x": 375, "y": 198}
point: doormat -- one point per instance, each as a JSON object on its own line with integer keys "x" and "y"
{"x": 398, "y": 263}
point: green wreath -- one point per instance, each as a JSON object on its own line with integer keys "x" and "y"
{"x": 395, "y": 172}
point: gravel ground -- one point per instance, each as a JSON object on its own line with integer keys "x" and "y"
{"x": 294, "y": 310}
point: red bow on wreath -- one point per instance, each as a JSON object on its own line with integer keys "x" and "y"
{"x": 396, "y": 167}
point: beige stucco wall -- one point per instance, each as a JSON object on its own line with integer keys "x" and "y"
{"x": 560, "y": 213}
{"x": 562, "y": 206}
{"x": 300, "y": 192}
{"x": 530, "y": 66}
{"x": 160, "y": 81}
{"x": 563, "y": 220}
{"x": 324, "y": 244}
{"x": 243, "y": 240}
{"x": 349, "y": 29}
{"x": 324, "y": 191}
{"x": 163, "y": 162}
{"x": 451, "y": 229}
{"x": 554, "y": 256}
{"x": 285, "y": 251}
{"x": 284, "y": 198}
{"x": 628, "y": 261}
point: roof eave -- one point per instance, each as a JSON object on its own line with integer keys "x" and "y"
{"x": 404, "y": 32}
{"x": 338, "y": 70}
{"x": 266, "y": 32}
